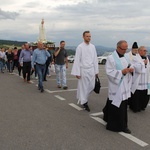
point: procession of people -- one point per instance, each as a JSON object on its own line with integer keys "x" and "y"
{"x": 128, "y": 75}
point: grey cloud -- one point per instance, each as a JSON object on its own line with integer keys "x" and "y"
{"x": 8, "y": 15}
{"x": 108, "y": 20}
{"x": 108, "y": 9}
{"x": 31, "y": 4}
{"x": 17, "y": 35}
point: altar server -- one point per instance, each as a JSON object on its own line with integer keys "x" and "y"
{"x": 85, "y": 68}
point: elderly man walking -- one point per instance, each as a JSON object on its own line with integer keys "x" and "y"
{"x": 40, "y": 56}
{"x": 141, "y": 81}
{"x": 119, "y": 75}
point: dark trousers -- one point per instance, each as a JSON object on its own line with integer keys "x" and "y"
{"x": 26, "y": 70}
{"x": 34, "y": 71}
{"x": 10, "y": 66}
{"x": 46, "y": 69}
{"x": 19, "y": 70}
{"x": 15, "y": 64}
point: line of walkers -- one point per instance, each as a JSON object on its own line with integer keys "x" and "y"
{"x": 128, "y": 76}
{"x": 38, "y": 62}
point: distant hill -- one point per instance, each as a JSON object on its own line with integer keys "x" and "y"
{"x": 100, "y": 49}
{"x": 9, "y": 42}
{"x": 71, "y": 49}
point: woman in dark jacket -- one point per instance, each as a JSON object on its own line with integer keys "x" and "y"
{"x": 10, "y": 59}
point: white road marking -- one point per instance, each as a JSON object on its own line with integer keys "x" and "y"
{"x": 15, "y": 74}
{"x": 60, "y": 98}
{"x": 104, "y": 88}
{"x": 48, "y": 91}
{"x": 67, "y": 79}
{"x": 71, "y": 79}
{"x": 128, "y": 136}
{"x": 70, "y": 90}
{"x": 63, "y": 90}
{"x": 99, "y": 120}
{"x": 76, "y": 107}
{"x": 134, "y": 139}
{"x": 96, "y": 114}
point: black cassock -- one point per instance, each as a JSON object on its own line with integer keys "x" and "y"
{"x": 139, "y": 100}
{"x": 115, "y": 117}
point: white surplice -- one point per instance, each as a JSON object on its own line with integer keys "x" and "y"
{"x": 119, "y": 86}
{"x": 86, "y": 66}
{"x": 141, "y": 77}
{"x": 130, "y": 56}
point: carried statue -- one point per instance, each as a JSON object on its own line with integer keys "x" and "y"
{"x": 42, "y": 35}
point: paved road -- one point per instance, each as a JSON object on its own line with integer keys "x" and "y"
{"x": 30, "y": 120}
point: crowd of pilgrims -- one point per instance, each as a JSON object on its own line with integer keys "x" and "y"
{"x": 115, "y": 110}
{"x": 10, "y": 59}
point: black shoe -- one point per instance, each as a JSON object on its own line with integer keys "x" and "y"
{"x": 59, "y": 86}
{"x": 126, "y": 131}
{"x": 65, "y": 87}
{"x": 42, "y": 90}
{"x": 86, "y": 107}
{"x": 44, "y": 80}
{"x": 135, "y": 111}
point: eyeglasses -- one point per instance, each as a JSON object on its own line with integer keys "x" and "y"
{"x": 122, "y": 48}
{"x": 144, "y": 50}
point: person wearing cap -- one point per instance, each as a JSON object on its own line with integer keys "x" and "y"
{"x": 133, "y": 51}
{"x": 141, "y": 81}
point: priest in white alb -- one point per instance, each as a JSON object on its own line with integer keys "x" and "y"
{"x": 141, "y": 81}
{"x": 85, "y": 68}
{"x": 119, "y": 73}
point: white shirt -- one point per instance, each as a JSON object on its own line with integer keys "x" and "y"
{"x": 2, "y": 55}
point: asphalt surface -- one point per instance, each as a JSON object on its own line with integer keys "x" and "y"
{"x": 30, "y": 120}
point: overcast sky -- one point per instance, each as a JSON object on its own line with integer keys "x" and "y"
{"x": 108, "y": 20}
